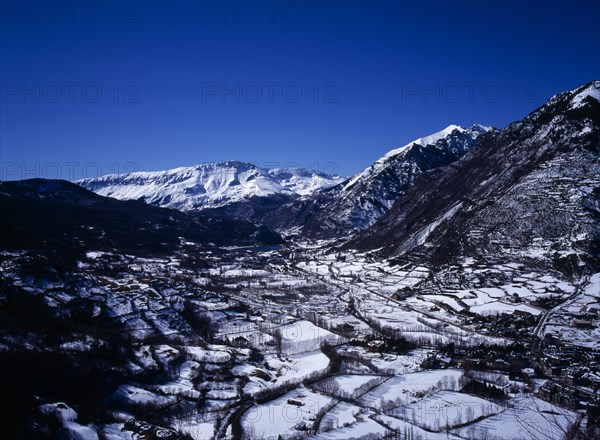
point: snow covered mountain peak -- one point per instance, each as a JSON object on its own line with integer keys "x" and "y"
{"x": 360, "y": 201}
{"x": 381, "y": 163}
{"x": 427, "y": 140}
{"x": 590, "y": 91}
{"x": 439, "y": 135}
{"x": 210, "y": 185}
{"x": 528, "y": 191}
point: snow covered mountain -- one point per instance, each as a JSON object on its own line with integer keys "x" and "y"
{"x": 528, "y": 192}
{"x": 211, "y": 185}
{"x": 309, "y": 202}
{"x": 358, "y": 202}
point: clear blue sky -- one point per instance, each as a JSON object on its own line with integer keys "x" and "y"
{"x": 97, "y": 87}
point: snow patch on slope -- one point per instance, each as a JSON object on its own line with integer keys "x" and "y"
{"x": 420, "y": 237}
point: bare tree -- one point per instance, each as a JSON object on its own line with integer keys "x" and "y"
{"x": 278, "y": 340}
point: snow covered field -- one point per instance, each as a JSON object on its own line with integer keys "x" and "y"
{"x": 303, "y": 349}
{"x": 584, "y": 309}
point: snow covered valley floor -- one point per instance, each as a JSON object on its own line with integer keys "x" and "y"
{"x": 295, "y": 343}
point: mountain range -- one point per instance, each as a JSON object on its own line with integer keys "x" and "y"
{"x": 358, "y": 202}
{"x": 211, "y": 185}
{"x": 526, "y": 190}
{"x": 303, "y": 201}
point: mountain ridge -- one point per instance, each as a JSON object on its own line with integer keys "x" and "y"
{"x": 529, "y": 191}
{"x": 209, "y": 185}
{"x": 357, "y": 203}
{"x": 59, "y": 216}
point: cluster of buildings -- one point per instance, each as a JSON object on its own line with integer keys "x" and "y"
{"x": 516, "y": 325}
{"x": 576, "y": 366}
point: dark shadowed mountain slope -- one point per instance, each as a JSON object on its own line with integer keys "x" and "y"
{"x": 358, "y": 202}
{"x": 528, "y": 192}
{"x": 59, "y": 215}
